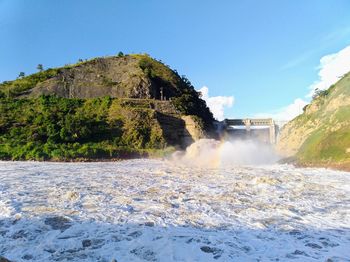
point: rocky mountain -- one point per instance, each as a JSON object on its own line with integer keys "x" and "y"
{"x": 321, "y": 135}
{"x": 102, "y": 108}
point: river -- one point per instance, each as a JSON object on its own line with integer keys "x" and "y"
{"x": 161, "y": 210}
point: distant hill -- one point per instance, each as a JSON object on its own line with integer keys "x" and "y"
{"x": 321, "y": 135}
{"x": 110, "y": 107}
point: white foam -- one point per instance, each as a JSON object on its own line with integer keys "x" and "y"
{"x": 152, "y": 210}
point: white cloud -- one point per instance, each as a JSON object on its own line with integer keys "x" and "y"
{"x": 217, "y": 104}
{"x": 285, "y": 113}
{"x": 332, "y": 68}
{"x": 324, "y": 42}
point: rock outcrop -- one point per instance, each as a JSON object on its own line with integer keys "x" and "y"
{"x": 126, "y": 76}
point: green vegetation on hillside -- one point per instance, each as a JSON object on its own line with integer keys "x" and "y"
{"x": 18, "y": 86}
{"x": 326, "y": 120}
{"x": 107, "y": 107}
{"x": 326, "y": 146}
{"x": 56, "y": 128}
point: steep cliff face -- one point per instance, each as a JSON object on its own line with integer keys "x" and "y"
{"x": 321, "y": 135}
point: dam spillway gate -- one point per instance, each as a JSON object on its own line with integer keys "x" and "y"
{"x": 264, "y": 130}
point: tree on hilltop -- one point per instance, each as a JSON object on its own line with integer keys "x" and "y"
{"x": 40, "y": 67}
{"x": 21, "y": 74}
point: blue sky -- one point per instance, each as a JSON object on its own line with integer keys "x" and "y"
{"x": 264, "y": 53}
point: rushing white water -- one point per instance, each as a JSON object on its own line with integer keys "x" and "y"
{"x": 202, "y": 205}
{"x": 214, "y": 153}
{"x": 153, "y": 210}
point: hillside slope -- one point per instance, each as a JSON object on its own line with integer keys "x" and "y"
{"x": 132, "y": 76}
{"x": 112, "y": 107}
{"x": 127, "y": 76}
{"x": 321, "y": 135}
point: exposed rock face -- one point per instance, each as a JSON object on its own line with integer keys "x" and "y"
{"x": 193, "y": 128}
{"x": 293, "y": 135}
{"x": 322, "y": 133}
{"x": 177, "y": 129}
{"x": 174, "y": 130}
{"x": 111, "y": 76}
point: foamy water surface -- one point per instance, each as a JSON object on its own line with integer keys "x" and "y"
{"x": 154, "y": 210}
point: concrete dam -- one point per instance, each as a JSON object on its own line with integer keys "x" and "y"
{"x": 264, "y": 130}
